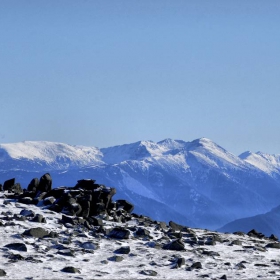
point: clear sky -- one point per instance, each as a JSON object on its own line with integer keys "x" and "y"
{"x": 104, "y": 73}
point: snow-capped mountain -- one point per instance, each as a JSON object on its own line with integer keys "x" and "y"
{"x": 197, "y": 183}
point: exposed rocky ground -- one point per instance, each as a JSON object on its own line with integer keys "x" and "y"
{"x": 80, "y": 232}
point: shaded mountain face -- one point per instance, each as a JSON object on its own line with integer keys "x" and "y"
{"x": 267, "y": 223}
{"x": 197, "y": 183}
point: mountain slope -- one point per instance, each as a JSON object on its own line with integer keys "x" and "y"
{"x": 267, "y": 223}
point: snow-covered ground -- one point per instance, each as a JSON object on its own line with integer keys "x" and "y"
{"x": 93, "y": 253}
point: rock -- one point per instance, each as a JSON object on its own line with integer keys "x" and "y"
{"x": 254, "y": 233}
{"x": 16, "y": 188}
{"x": 142, "y": 232}
{"x": 2, "y": 272}
{"x": 273, "y": 237}
{"x": 27, "y": 213}
{"x": 176, "y": 227}
{"x": 15, "y": 257}
{"x": 8, "y": 184}
{"x": 49, "y": 200}
{"x": 124, "y": 204}
{"x": 196, "y": 265}
{"x": 37, "y": 232}
{"x": 176, "y": 245}
{"x": 273, "y": 245}
{"x": 119, "y": 233}
{"x": 148, "y": 272}
{"x": 45, "y": 183}
{"x": 17, "y": 247}
{"x": 240, "y": 266}
{"x": 70, "y": 269}
{"x": 33, "y": 185}
{"x": 95, "y": 221}
{"x": 224, "y": 277}
{"x": 39, "y": 219}
{"x": 116, "y": 259}
{"x": 236, "y": 242}
{"x": 180, "y": 261}
{"x": 66, "y": 252}
{"x": 89, "y": 246}
{"x": 86, "y": 184}
{"x": 26, "y": 200}
{"x": 123, "y": 250}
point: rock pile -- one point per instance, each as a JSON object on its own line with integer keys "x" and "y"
{"x": 87, "y": 201}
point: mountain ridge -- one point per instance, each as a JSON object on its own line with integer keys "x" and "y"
{"x": 198, "y": 180}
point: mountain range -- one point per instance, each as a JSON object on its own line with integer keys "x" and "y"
{"x": 196, "y": 183}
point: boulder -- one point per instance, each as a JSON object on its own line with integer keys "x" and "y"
{"x": 39, "y": 219}
{"x": 33, "y": 185}
{"x": 176, "y": 245}
{"x": 37, "y": 232}
{"x": 177, "y": 227}
{"x": 148, "y": 272}
{"x": 8, "y": 184}
{"x": 70, "y": 269}
{"x": 17, "y": 247}
{"x": 124, "y": 204}
{"x": 45, "y": 183}
{"x": 2, "y": 272}
{"x": 119, "y": 233}
{"x": 123, "y": 250}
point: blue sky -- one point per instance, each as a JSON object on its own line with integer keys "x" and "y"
{"x": 104, "y": 73}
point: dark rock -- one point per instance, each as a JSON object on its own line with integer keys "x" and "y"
{"x": 273, "y": 237}
{"x": 240, "y": 265}
{"x": 33, "y": 185}
{"x": 49, "y": 200}
{"x": 16, "y": 188}
{"x": 224, "y": 277}
{"x": 70, "y": 269}
{"x": 148, "y": 272}
{"x": 19, "y": 218}
{"x": 26, "y": 200}
{"x": 86, "y": 184}
{"x": 95, "y": 221}
{"x": 273, "y": 245}
{"x": 236, "y": 242}
{"x": 39, "y": 219}
{"x": 2, "y": 272}
{"x": 66, "y": 219}
{"x": 124, "y": 204}
{"x": 210, "y": 253}
{"x": 116, "y": 258}
{"x": 17, "y": 246}
{"x": 66, "y": 252}
{"x": 254, "y": 233}
{"x": 8, "y": 184}
{"x": 32, "y": 260}
{"x": 37, "y": 232}
{"x": 176, "y": 245}
{"x": 15, "y": 257}
{"x": 119, "y": 233}
{"x": 142, "y": 232}
{"x": 196, "y": 265}
{"x": 45, "y": 183}
{"x": 123, "y": 250}
{"x": 181, "y": 261}
{"x": 27, "y": 213}
{"x": 176, "y": 227}
{"x": 261, "y": 265}
{"x": 89, "y": 246}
